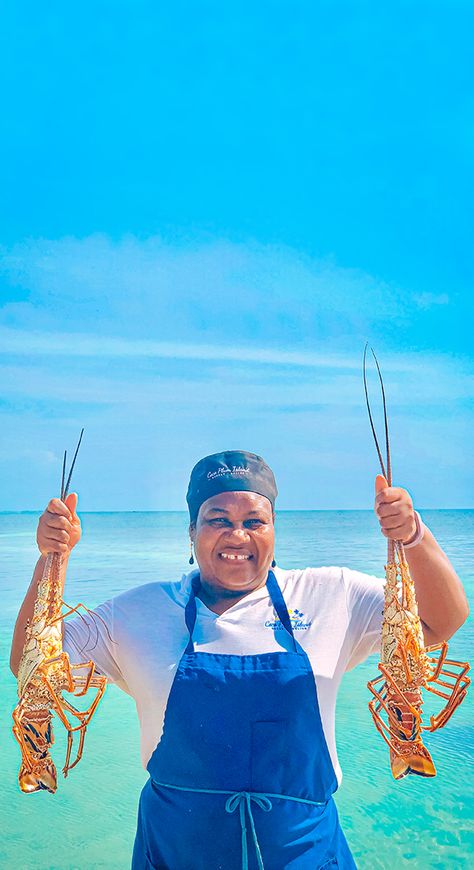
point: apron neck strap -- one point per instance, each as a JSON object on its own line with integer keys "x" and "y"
{"x": 280, "y": 606}
{"x": 274, "y": 592}
{"x": 190, "y": 612}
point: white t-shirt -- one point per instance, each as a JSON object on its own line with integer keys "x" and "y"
{"x": 336, "y": 615}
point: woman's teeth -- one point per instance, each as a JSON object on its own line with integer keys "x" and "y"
{"x": 232, "y": 558}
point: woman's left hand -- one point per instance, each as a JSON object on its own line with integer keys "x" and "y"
{"x": 394, "y": 510}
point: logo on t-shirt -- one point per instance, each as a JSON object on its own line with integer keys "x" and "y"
{"x": 297, "y": 619}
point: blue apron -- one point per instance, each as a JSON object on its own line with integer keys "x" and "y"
{"x": 241, "y": 778}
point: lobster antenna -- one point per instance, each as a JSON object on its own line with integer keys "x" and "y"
{"x": 63, "y": 476}
{"x": 372, "y": 426}
{"x": 385, "y": 419}
{"x": 73, "y": 464}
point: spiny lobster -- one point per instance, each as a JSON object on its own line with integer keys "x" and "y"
{"x": 406, "y": 665}
{"x": 44, "y": 673}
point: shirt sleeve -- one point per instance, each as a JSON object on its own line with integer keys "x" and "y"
{"x": 90, "y": 637}
{"x": 365, "y": 602}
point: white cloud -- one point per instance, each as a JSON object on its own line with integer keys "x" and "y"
{"x": 147, "y": 344}
{"x": 102, "y": 373}
{"x": 22, "y": 453}
{"x": 74, "y": 344}
{"x": 208, "y": 292}
{"x": 428, "y": 300}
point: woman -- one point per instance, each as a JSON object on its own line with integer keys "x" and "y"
{"x": 235, "y": 673}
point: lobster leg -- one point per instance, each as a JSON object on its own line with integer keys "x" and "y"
{"x": 60, "y": 704}
{"x": 70, "y": 609}
{"x": 67, "y": 767}
{"x": 82, "y": 727}
{"x": 445, "y": 714}
{"x": 457, "y": 689}
{"x": 74, "y": 682}
{"x": 439, "y": 661}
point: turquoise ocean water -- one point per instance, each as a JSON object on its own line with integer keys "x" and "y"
{"x": 90, "y": 821}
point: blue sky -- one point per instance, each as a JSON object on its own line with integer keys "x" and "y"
{"x": 207, "y": 209}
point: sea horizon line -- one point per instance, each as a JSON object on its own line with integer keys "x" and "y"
{"x": 31, "y": 511}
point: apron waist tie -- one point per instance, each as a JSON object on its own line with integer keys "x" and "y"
{"x": 243, "y": 801}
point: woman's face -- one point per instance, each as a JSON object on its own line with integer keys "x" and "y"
{"x": 234, "y": 539}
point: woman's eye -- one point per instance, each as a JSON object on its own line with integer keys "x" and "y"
{"x": 254, "y": 523}
{"x": 218, "y": 521}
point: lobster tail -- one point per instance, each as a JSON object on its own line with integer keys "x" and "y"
{"x": 411, "y": 758}
{"x": 35, "y": 736}
{"x": 43, "y": 779}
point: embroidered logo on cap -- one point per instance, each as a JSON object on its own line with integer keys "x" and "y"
{"x": 224, "y": 469}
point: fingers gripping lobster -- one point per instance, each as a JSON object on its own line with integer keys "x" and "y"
{"x": 44, "y": 673}
{"x": 406, "y": 666}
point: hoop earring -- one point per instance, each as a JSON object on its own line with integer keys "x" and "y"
{"x": 273, "y": 562}
{"x": 191, "y": 557}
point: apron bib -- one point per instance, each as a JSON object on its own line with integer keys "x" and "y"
{"x": 242, "y": 778}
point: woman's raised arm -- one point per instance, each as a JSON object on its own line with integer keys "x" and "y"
{"x": 59, "y": 530}
{"x": 442, "y": 603}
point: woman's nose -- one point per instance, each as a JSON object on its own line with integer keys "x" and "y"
{"x": 239, "y": 533}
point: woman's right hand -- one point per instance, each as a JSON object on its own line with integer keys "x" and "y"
{"x": 59, "y": 527}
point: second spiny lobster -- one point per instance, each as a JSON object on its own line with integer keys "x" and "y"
{"x": 406, "y": 666}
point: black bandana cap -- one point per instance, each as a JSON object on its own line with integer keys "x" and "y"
{"x": 230, "y": 471}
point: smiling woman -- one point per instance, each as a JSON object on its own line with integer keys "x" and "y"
{"x": 231, "y": 499}
{"x": 234, "y": 541}
{"x": 235, "y": 673}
